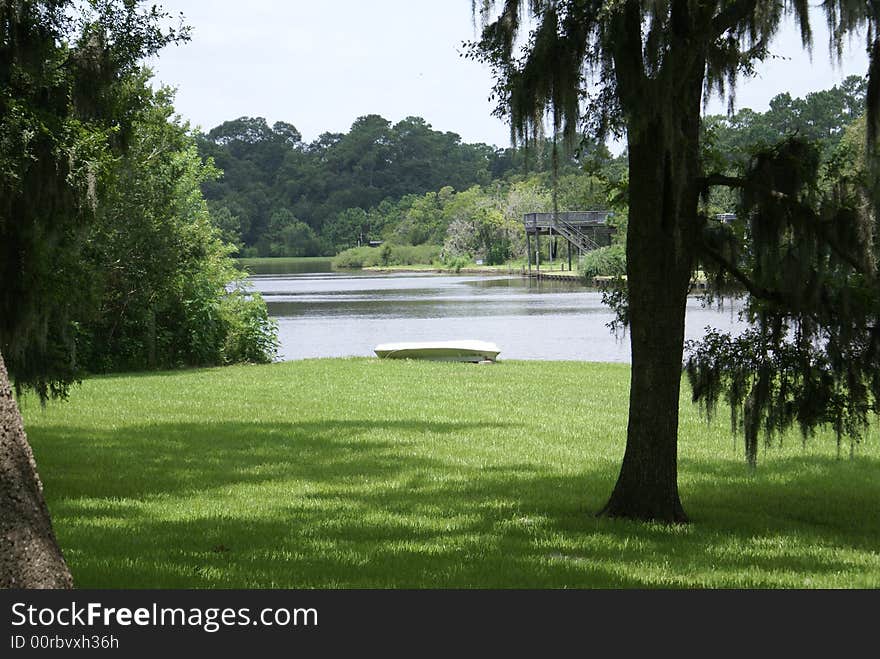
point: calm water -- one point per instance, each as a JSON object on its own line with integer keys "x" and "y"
{"x": 334, "y": 314}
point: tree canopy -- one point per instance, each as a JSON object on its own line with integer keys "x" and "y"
{"x": 106, "y": 251}
{"x": 328, "y": 182}
{"x": 66, "y": 112}
{"x": 820, "y": 117}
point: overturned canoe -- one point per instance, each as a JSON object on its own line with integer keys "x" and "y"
{"x": 444, "y": 351}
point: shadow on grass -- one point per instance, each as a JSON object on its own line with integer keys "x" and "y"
{"x": 330, "y": 504}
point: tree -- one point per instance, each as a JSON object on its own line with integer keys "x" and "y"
{"x": 255, "y": 159}
{"x": 64, "y": 112}
{"x": 229, "y": 225}
{"x": 165, "y": 292}
{"x": 29, "y": 553}
{"x": 813, "y": 355}
{"x": 297, "y": 239}
{"x": 652, "y": 63}
{"x": 349, "y": 228}
{"x": 424, "y": 221}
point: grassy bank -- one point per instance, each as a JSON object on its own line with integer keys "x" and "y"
{"x": 361, "y": 473}
{"x": 515, "y": 267}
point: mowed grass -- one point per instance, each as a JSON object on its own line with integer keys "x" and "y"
{"x": 360, "y": 473}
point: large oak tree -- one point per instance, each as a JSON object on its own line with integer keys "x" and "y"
{"x": 645, "y": 66}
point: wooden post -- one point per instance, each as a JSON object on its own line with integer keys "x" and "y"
{"x": 569, "y": 255}
{"x": 529, "y": 251}
{"x": 538, "y": 251}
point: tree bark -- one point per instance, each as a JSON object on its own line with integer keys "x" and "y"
{"x": 29, "y": 553}
{"x": 664, "y": 166}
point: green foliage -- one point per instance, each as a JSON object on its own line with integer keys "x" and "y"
{"x": 350, "y": 187}
{"x": 800, "y": 253}
{"x": 356, "y": 257}
{"x": 477, "y": 223}
{"x": 162, "y": 285}
{"x": 423, "y": 220}
{"x": 349, "y": 228}
{"x": 250, "y": 335}
{"x": 604, "y": 262}
{"x": 820, "y": 117}
{"x": 266, "y": 169}
{"x": 296, "y": 239}
{"x": 66, "y": 112}
{"x": 811, "y": 269}
{"x": 387, "y": 254}
{"x": 456, "y": 263}
{"x": 228, "y": 224}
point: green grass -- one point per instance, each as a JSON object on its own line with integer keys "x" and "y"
{"x": 366, "y": 473}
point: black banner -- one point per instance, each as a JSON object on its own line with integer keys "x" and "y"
{"x": 546, "y": 623}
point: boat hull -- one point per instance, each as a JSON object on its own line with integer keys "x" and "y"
{"x": 448, "y": 351}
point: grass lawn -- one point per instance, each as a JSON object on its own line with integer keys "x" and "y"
{"x": 355, "y": 473}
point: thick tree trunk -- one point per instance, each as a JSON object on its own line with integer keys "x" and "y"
{"x": 664, "y": 172}
{"x": 29, "y": 554}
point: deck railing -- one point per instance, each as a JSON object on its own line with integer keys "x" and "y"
{"x": 571, "y": 218}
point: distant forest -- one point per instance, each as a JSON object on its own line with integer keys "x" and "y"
{"x": 281, "y": 196}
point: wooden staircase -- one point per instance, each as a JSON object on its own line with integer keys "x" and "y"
{"x": 575, "y": 236}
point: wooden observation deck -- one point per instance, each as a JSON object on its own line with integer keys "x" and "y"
{"x": 585, "y": 230}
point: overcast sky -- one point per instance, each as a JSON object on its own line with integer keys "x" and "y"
{"x": 320, "y": 65}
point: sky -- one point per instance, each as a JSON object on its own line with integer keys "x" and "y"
{"x": 320, "y": 65}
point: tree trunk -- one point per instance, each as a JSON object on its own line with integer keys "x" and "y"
{"x": 664, "y": 170}
{"x": 29, "y": 553}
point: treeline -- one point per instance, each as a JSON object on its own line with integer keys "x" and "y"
{"x": 411, "y": 185}
{"x": 280, "y": 196}
{"x": 108, "y": 256}
{"x": 819, "y": 117}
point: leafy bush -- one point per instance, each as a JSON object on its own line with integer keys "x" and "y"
{"x": 251, "y": 336}
{"x": 296, "y": 239}
{"x": 606, "y": 261}
{"x": 386, "y": 255}
{"x": 163, "y": 289}
{"x": 456, "y": 263}
{"x": 355, "y": 257}
{"x": 414, "y": 254}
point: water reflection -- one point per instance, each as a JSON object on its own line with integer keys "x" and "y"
{"x": 347, "y": 314}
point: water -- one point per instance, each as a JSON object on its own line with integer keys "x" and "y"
{"x": 335, "y": 314}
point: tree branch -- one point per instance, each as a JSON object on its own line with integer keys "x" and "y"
{"x": 737, "y": 182}
{"x": 627, "y": 52}
{"x": 721, "y": 179}
{"x": 838, "y": 249}
{"x": 732, "y": 15}
{"x": 740, "y": 276}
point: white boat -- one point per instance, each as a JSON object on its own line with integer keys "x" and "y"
{"x": 444, "y": 351}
